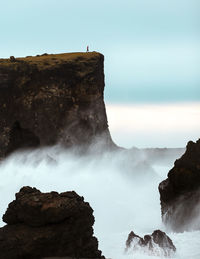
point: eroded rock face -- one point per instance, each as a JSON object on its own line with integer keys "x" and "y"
{"x": 158, "y": 243}
{"x": 52, "y": 98}
{"x": 48, "y": 225}
{"x": 180, "y": 192}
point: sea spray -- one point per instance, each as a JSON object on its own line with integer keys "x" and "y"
{"x": 121, "y": 187}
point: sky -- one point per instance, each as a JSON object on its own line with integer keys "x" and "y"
{"x": 151, "y": 47}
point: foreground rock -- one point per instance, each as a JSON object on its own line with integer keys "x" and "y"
{"x": 48, "y": 225}
{"x": 158, "y": 243}
{"x": 52, "y": 98}
{"x": 180, "y": 192}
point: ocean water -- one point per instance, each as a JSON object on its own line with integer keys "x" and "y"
{"x": 121, "y": 187}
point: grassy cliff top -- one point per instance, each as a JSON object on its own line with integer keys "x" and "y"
{"x": 49, "y": 60}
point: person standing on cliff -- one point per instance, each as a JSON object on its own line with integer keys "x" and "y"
{"x": 87, "y": 48}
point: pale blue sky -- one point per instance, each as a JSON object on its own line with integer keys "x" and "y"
{"x": 151, "y": 47}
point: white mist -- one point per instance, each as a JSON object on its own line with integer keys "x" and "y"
{"x": 121, "y": 187}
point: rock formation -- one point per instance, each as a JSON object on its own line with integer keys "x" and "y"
{"x": 48, "y": 225}
{"x": 52, "y": 98}
{"x": 158, "y": 243}
{"x": 180, "y": 192}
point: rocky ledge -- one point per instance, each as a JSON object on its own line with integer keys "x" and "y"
{"x": 180, "y": 192}
{"x": 42, "y": 225}
{"x": 52, "y": 98}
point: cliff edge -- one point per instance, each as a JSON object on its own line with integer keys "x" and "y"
{"x": 52, "y": 98}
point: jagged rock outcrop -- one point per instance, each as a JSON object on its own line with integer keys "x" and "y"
{"x": 48, "y": 225}
{"x": 158, "y": 243}
{"x": 52, "y": 98}
{"x": 180, "y": 192}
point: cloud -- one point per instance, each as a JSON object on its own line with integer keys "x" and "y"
{"x": 154, "y": 125}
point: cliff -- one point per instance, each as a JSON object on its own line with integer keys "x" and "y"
{"x": 46, "y": 225}
{"x": 52, "y": 98}
{"x": 180, "y": 192}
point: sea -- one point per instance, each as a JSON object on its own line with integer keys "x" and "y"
{"x": 121, "y": 187}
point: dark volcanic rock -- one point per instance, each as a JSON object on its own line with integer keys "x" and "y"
{"x": 46, "y": 225}
{"x": 180, "y": 192}
{"x": 150, "y": 243}
{"x": 162, "y": 240}
{"x": 51, "y": 98}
